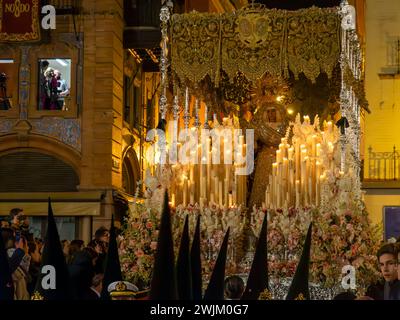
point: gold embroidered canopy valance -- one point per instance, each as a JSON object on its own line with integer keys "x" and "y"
{"x": 255, "y": 41}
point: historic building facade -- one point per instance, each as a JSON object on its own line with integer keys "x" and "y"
{"x": 382, "y": 139}
{"x": 76, "y": 138}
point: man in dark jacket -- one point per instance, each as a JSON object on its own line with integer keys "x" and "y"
{"x": 94, "y": 292}
{"x": 395, "y": 290}
{"x": 387, "y": 259}
{"x": 81, "y": 272}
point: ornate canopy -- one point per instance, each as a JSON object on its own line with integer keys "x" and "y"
{"x": 255, "y": 41}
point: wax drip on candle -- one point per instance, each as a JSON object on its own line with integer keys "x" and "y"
{"x": 206, "y": 125}
{"x": 186, "y": 116}
{"x": 197, "y": 122}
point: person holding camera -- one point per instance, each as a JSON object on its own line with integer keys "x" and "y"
{"x": 19, "y": 261}
{"x": 20, "y": 223}
{"x": 4, "y": 100}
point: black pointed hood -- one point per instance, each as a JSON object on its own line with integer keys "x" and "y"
{"x": 183, "y": 266}
{"x": 163, "y": 283}
{"x": 258, "y": 276}
{"x": 112, "y": 270}
{"x": 195, "y": 257}
{"x": 215, "y": 289}
{"x": 299, "y": 287}
{"x": 53, "y": 256}
{"x": 6, "y": 282}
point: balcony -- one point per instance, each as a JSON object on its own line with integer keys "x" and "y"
{"x": 64, "y": 7}
{"x": 382, "y": 169}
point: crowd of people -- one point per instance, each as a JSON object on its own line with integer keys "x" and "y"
{"x": 86, "y": 265}
{"x": 85, "y": 262}
{"x": 53, "y": 89}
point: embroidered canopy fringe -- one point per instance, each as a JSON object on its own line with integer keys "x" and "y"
{"x": 255, "y": 41}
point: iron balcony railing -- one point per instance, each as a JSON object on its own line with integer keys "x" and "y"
{"x": 65, "y": 7}
{"x": 65, "y": 4}
{"x": 383, "y": 165}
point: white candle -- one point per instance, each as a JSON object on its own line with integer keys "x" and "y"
{"x": 278, "y": 156}
{"x": 191, "y": 188}
{"x": 266, "y": 194}
{"x": 297, "y": 157}
{"x": 226, "y": 201}
{"x": 184, "y": 191}
{"x": 282, "y": 150}
{"x": 172, "y": 202}
{"x": 329, "y": 126}
{"x": 310, "y": 190}
{"x": 318, "y": 169}
{"x": 216, "y": 189}
{"x": 290, "y": 153}
{"x": 313, "y": 145}
{"x": 330, "y": 146}
{"x": 318, "y": 150}
{"x": 220, "y": 194}
{"x": 241, "y": 140}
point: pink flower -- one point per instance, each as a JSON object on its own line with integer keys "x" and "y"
{"x": 135, "y": 225}
{"x": 149, "y": 224}
{"x": 125, "y": 266}
{"x": 139, "y": 253}
{"x": 153, "y": 245}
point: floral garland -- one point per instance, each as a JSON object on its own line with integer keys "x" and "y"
{"x": 138, "y": 244}
{"x": 342, "y": 235}
{"x": 215, "y": 220}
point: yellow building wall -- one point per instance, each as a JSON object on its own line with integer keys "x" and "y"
{"x": 375, "y": 204}
{"x": 103, "y": 94}
{"x": 382, "y": 130}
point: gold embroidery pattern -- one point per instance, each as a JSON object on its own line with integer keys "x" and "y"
{"x": 300, "y": 297}
{"x": 265, "y": 295}
{"x": 313, "y": 41}
{"x": 254, "y": 41}
{"x": 195, "y": 46}
{"x": 120, "y": 286}
{"x": 37, "y": 296}
{"x": 28, "y": 36}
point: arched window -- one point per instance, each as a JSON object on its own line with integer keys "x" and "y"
{"x": 130, "y": 172}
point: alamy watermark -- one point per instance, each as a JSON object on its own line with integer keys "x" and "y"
{"x": 49, "y": 278}
{"x": 215, "y": 146}
{"x": 49, "y": 20}
{"x": 349, "y": 278}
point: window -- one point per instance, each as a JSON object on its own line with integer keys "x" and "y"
{"x": 66, "y": 226}
{"x": 128, "y": 177}
{"x": 8, "y": 84}
{"x": 127, "y": 100}
{"x": 49, "y": 96}
{"x": 391, "y": 221}
{"x": 54, "y": 83}
{"x": 132, "y": 103}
